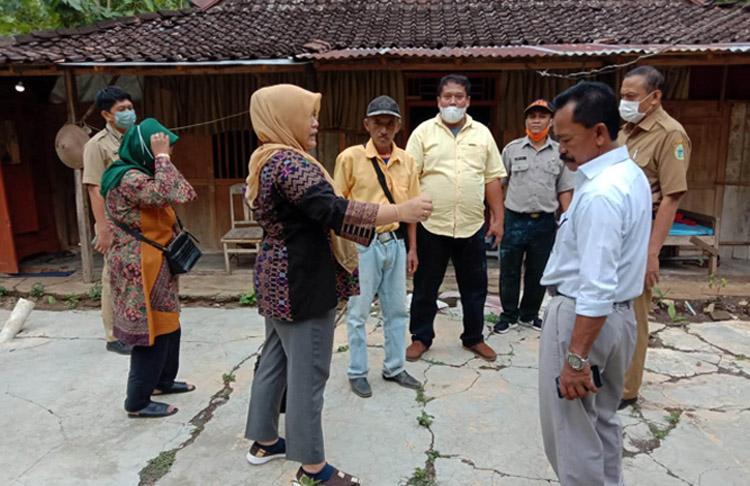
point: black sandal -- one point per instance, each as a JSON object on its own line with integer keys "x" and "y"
{"x": 154, "y": 410}
{"x": 177, "y": 387}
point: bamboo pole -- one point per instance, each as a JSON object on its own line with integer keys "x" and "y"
{"x": 82, "y": 209}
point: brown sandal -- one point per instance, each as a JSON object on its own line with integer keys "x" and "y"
{"x": 339, "y": 478}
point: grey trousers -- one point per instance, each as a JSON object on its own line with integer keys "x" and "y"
{"x": 583, "y": 438}
{"x": 295, "y": 356}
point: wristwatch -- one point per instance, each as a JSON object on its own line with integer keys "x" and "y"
{"x": 577, "y": 362}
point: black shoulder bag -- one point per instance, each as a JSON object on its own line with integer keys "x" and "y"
{"x": 181, "y": 253}
{"x": 401, "y": 232}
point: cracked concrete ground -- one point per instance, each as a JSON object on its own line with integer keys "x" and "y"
{"x": 62, "y": 422}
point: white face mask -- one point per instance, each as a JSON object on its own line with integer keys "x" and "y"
{"x": 629, "y": 109}
{"x": 452, "y": 114}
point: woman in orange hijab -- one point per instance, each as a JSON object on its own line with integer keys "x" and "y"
{"x": 306, "y": 264}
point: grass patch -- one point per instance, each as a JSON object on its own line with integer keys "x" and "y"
{"x": 421, "y": 477}
{"x": 95, "y": 292}
{"x": 422, "y": 398}
{"x": 157, "y": 467}
{"x": 248, "y": 298}
{"x": 425, "y": 420}
{"x": 51, "y": 300}
{"x": 72, "y": 302}
{"x": 492, "y": 318}
{"x": 37, "y": 290}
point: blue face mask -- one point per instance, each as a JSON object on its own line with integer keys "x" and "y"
{"x": 125, "y": 119}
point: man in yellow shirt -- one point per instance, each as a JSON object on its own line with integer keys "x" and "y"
{"x": 116, "y": 107}
{"x": 380, "y": 172}
{"x": 460, "y": 167}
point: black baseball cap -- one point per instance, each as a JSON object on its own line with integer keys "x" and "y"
{"x": 383, "y": 105}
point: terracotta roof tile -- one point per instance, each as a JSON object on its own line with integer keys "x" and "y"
{"x": 262, "y": 29}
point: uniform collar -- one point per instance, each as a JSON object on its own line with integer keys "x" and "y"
{"x": 469, "y": 121}
{"x": 371, "y": 151}
{"x": 596, "y": 166}
{"x": 527, "y": 141}
{"x": 649, "y": 121}
{"x": 113, "y": 131}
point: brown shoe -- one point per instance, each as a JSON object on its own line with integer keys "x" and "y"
{"x": 483, "y": 351}
{"x": 415, "y": 350}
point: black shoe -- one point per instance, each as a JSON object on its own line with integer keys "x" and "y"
{"x": 535, "y": 324}
{"x": 503, "y": 326}
{"x": 404, "y": 379}
{"x": 626, "y": 402}
{"x": 119, "y": 347}
{"x": 360, "y": 387}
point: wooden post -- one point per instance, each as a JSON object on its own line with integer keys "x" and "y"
{"x": 82, "y": 208}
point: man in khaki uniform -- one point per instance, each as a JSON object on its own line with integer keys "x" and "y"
{"x": 116, "y": 107}
{"x": 538, "y": 184}
{"x": 660, "y": 146}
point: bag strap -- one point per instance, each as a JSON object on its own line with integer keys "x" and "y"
{"x": 137, "y": 234}
{"x": 381, "y": 179}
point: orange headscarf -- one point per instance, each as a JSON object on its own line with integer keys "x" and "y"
{"x": 280, "y": 116}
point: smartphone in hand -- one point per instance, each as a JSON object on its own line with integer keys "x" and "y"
{"x": 595, "y": 375}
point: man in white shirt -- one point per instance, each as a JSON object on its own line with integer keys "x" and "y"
{"x": 596, "y": 269}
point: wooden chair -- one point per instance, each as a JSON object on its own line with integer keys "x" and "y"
{"x": 245, "y": 232}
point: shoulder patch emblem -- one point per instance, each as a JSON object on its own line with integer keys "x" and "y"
{"x": 679, "y": 152}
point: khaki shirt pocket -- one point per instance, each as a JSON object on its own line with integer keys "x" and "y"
{"x": 475, "y": 155}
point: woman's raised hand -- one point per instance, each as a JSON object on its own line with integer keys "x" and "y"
{"x": 159, "y": 144}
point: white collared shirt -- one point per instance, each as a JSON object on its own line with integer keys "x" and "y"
{"x": 600, "y": 252}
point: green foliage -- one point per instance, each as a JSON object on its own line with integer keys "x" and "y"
{"x": 95, "y": 292}
{"x": 343, "y": 348}
{"x": 51, "y": 300}
{"x": 23, "y": 16}
{"x": 72, "y": 302}
{"x": 37, "y": 290}
{"x": 425, "y": 420}
{"x": 492, "y": 318}
{"x": 669, "y": 305}
{"x": 228, "y": 378}
{"x": 248, "y": 298}
{"x": 717, "y": 283}
{"x": 3, "y": 291}
{"x": 306, "y": 481}
{"x": 421, "y": 477}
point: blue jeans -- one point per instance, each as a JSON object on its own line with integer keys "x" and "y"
{"x": 382, "y": 271}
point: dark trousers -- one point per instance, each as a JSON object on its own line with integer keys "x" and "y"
{"x": 469, "y": 260}
{"x": 152, "y": 367}
{"x": 530, "y": 239}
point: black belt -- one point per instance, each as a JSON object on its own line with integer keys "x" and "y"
{"x": 535, "y": 215}
{"x": 387, "y": 236}
{"x": 554, "y": 293}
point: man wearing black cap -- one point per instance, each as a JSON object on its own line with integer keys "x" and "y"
{"x": 538, "y": 184}
{"x": 380, "y": 172}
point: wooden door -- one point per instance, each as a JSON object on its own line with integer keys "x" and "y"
{"x": 8, "y": 256}
{"x": 707, "y": 125}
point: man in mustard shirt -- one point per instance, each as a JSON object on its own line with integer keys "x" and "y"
{"x": 116, "y": 107}
{"x": 660, "y": 146}
{"x": 459, "y": 167}
{"x": 381, "y": 173}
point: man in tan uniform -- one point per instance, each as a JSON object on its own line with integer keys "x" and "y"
{"x": 116, "y": 107}
{"x": 660, "y": 146}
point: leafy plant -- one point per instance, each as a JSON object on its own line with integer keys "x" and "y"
{"x": 492, "y": 318}
{"x": 717, "y": 283}
{"x": 228, "y": 378}
{"x": 72, "y": 302}
{"x": 421, "y": 477}
{"x": 425, "y": 419}
{"x": 3, "y": 291}
{"x": 95, "y": 292}
{"x": 248, "y": 298}
{"x": 51, "y": 300}
{"x": 669, "y": 305}
{"x": 37, "y": 290}
{"x": 343, "y": 348}
{"x": 23, "y": 16}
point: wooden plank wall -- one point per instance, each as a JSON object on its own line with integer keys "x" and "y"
{"x": 735, "y": 228}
